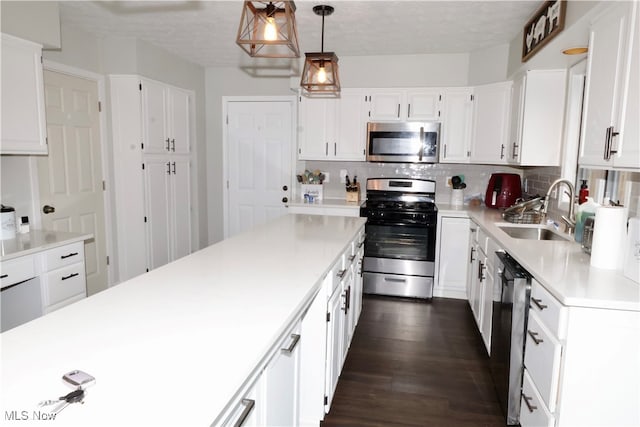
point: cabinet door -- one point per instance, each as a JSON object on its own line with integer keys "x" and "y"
{"x": 387, "y": 105}
{"x": 457, "y": 125}
{"x": 24, "y": 126}
{"x": 154, "y": 117}
{"x": 358, "y": 285}
{"x": 517, "y": 114}
{"x": 349, "y": 320}
{"x": 316, "y": 131}
{"x": 180, "y": 207}
{"x": 628, "y": 145}
{"x": 452, "y": 266}
{"x": 351, "y": 126}
{"x": 179, "y": 121}
{"x": 491, "y": 123}
{"x": 478, "y": 275}
{"x": 487, "y": 303}
{"x": 280, "y": 380}
{"x": 605, "y": 82}
{"x": 423, "y": 105}
{"x": 335, "y": 330}
{"x": 157, "y": 176}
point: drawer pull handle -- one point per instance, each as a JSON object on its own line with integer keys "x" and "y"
{"x": 68, "y": 255}
{"x": 294, "y": 342}
{"x": 533, "y": 336}
{"x": 248, "y": 407}
{"x": 538, "y": 303}
{"x": 361, "y": 243}
{"x": 352, "y": 257}
{"x": 4, "y": 276}
{"x": 341, "y": 273}
{"x": 70, "y": 276}
{"x": 530, "y": 407}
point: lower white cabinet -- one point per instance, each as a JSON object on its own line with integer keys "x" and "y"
{"x": 451, "y": 262}
{"x": 581, "y": 365}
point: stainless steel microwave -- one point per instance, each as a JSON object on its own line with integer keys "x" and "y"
{"x": 406, "y": 142}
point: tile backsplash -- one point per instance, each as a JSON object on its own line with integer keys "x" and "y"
{"x": 475, "y": 176}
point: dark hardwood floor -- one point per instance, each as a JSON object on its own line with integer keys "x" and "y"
{"x": 415, "y": 364}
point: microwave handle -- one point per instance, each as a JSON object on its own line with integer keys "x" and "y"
{"x": 421, "y": 152}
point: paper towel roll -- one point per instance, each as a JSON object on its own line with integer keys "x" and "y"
{"x": 609, "y": 233}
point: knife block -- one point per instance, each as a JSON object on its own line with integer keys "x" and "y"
{"x": 354, "y": 196}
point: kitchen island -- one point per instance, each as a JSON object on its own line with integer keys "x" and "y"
{"x": 173, "y": 346}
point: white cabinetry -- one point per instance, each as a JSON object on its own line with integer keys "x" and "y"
{"x": 63, "y": 277}
{"x": 492, "y": 106}
{"x": 537, "y": 118}
{"x": 165, "y": 116}
{"x": 418, "y": 104}
{"x": 575, "y": 355}
{"x": 151, "y": 142}
{"x": 24, "y": 127}
{"x": 610, "y": 133}
{"x": 167, "y": 208}
{"x": 332, "y": 128}
{"x": 451, "y": 263}
{"x": 457, "y": 125}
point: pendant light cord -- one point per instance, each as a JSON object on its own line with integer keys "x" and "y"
{"x": 322, "y": 42}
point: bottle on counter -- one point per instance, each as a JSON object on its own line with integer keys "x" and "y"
{"x": 585, "y": 210}
{"x": 584, "y": 192}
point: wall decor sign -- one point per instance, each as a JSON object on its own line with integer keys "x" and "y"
{"x": 543, "y": 26}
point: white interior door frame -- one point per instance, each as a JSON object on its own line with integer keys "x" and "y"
{"x": 106, "y": 157}
{"x": 225, "y": 147}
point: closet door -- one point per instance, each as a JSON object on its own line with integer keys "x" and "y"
{"x": 179, "y": 121}
{"x": 157, "y": 175}
{"x": 155, "y": 137}
{"x": 180, "y": 206}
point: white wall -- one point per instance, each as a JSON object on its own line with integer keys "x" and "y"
{"x": 488, "y": 65}
{"x": 38, "y": 21}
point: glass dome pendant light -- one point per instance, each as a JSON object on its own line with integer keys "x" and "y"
{"x": 320, "y": 72}
{"x": 269, "y": 31}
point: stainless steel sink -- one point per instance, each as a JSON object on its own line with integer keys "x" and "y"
{"x": 533, "y": 232}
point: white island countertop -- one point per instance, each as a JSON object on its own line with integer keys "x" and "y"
{"x": 560, "y": 266}
{"x": 36, "y": 241}
{"x": 172, "y": 346}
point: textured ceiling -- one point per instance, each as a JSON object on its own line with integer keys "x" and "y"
{"x": 204, "y": 31}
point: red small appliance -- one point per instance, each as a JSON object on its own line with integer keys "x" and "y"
{"x": 503, "y": 190}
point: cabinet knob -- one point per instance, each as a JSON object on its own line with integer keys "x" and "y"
{"x": 285, "y": 188}
{"x": 48, "y": 209}
{"x": 285, "y": 200}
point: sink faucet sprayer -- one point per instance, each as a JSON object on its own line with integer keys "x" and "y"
{"x": 571, "y": 219}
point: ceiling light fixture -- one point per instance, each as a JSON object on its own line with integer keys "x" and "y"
{"x": 320, "y": 72}
{"x": 269, "y": 31}
{"x": 575, "y": 51}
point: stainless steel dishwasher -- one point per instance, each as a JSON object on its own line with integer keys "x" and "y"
{"x": 508, "y": 326}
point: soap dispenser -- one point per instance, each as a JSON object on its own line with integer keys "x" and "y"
{"x": 584, "y": 192}
{"x": 585, "y": 210}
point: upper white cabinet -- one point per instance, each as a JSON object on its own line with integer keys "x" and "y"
{"x": 332, "y": 128}
{"x": 457, "y": 125}
{"x": 404, "y": 104}
{"x": 24, "y": 127}
{"x": 537, "y": 118}
{"x": 492, "y": 106}
{"x": 610, "y": 119}
{"x": 165, "y": 112}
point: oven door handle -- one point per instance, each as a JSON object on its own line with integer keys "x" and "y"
{"x": 421, "y": 152}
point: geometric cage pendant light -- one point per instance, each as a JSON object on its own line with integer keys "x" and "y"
{"x": 320, "y": 71}
{"x": 268, "y": 29}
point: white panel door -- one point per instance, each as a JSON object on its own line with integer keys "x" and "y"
{"x": 259, "y": 162}
{"x": 157, "y": 177}
{"x": 154, "y": 117}
{"x": 70, "y": 177}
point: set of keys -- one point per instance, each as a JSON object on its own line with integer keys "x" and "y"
{"x": 74, "y": 397}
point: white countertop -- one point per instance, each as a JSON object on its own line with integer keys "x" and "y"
{"x": 328, "y": 203}
{"x": 561, "y": 267}
{"x": 181, "y": 339}
{"x": 36, "y": 241}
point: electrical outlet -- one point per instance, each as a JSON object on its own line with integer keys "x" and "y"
{"x": 449, "y": 182}
{"x": 343, "y": 176}
{"x": 326, "y": 177}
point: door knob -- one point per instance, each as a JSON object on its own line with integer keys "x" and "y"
{"x": 285, "y": 188}
{"x": 285, "y": 200}
{"x": 48, "y": 209}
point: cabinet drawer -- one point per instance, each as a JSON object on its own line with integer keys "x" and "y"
{"x": 63, "y": 255}
{"x": 542, "y": 357}
{"x": 533, "y": 412}
{"x": 17, "y": 270}
{"x": 549, "y": 310}
{"x": 64, "y": 283}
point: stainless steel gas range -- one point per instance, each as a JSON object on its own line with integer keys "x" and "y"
{"x": 400, "y": 244}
